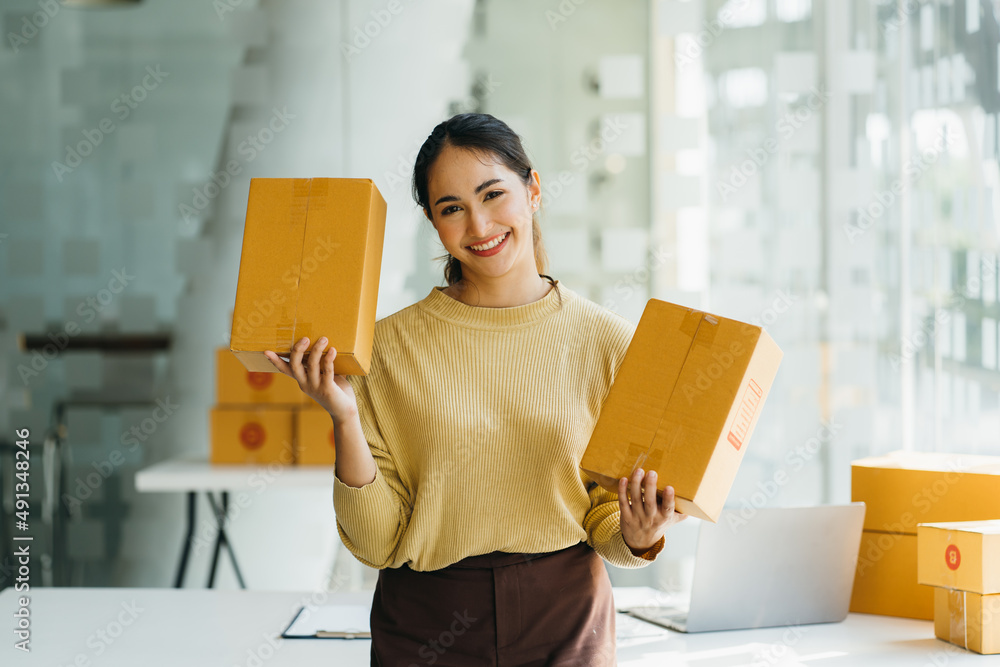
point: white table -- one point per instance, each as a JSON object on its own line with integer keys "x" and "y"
{"x": 202, "y": 628}
{"x": 193, "y": 476}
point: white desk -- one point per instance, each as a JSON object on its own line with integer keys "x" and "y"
{"x": 198, "y": 628}
{"x": 192, "y": 476}
{"x": 178, "y": 475}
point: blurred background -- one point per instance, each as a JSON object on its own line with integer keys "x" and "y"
{"x": 827, "y": 169}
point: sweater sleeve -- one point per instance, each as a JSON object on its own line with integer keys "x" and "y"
{"x": 371, "y": 519}
{"x": 604, "y": 533}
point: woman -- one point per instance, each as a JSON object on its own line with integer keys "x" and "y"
{"x": 457, "y": 468}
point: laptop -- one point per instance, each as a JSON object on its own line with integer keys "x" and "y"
{"x": 782, "y": 566}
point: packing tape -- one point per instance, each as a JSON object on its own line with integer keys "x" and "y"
{"x": 299, "y": 213}
{"x": 958, "y": 630}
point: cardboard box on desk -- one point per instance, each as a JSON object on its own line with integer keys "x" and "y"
{"x": 252, "y": 435}
{"x": 312, "y": 254}
{"x": 885, "y": 581}
{"x": 314, "y": 437}
{"x": 684, "y": 403}
{"x": 234, "y": 384}
{"x": 964, "y": 555}
{"x": 901, "y": 490}
{"x": 969, "y": 620}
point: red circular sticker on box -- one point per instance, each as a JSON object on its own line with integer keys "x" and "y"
{"x": 259, "y": 381}
{"x": 252, "y": 435}
{"x": 953, "y": 557}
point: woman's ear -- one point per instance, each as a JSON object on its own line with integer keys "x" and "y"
{"x": 427, "y": 215}
{"x": 534, "y": 186}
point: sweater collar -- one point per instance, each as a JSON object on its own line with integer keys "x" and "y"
{"x": 479, "y": 317}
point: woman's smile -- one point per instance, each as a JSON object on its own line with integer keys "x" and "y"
{"x": 491, "y": 246}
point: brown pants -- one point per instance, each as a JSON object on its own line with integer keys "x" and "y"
{"x": 495, "y": 610}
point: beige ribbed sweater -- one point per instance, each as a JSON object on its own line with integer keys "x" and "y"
{"x": 477, "y": 419}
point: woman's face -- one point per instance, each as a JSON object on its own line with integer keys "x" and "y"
{"x": 476, "y": 201}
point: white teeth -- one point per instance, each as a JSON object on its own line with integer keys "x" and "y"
{"x": 492, "y": 244}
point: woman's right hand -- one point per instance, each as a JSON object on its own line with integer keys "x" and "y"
{"x": 317, "y": 379}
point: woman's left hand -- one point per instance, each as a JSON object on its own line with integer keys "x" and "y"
{"x": 645, "y": 519}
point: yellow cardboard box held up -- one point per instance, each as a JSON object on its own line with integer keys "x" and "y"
{"x": 684, "y": 403}
{"x": 235, "y": 385}
{"x": 312, "y": 253}
{"x": 969, "y": 620}
{"x": 964, "y": 555}
{"x": 900, "y": 490}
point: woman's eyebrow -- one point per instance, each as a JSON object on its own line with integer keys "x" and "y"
{"x": 482, "y": 186}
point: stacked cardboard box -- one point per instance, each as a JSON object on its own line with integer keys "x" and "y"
{"x": 961, "y": 560}
{"x": 901, "y": 490}
{"x": 684, "y": 403}
{"x": 265, "y": 418}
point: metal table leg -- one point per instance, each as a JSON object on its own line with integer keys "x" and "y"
{"x": 192, "y": 500}
{"x": 222, "y": 540}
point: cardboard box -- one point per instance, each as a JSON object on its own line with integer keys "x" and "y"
{"x": 235, "y": 385}
{"x": 964, "y": 555}
{"x": 903, "y": 489}
{"x": 312, "y": 253}
{"x": 684, "y": 403}
{"x": 314, "y": 437}
{"x": 885, "y": 581}
{"x": 252, "y": 435}
{"x": 968, "y": 619}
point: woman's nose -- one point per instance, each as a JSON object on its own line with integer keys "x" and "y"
{"x": 479, "y": 222}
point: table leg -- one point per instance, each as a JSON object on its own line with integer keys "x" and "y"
{"x": 221, "y": 539}
{"x": 192, "y": 499}
{"x": 228, "y": 544}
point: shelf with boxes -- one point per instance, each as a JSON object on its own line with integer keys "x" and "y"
{"x": 262, "y": 418}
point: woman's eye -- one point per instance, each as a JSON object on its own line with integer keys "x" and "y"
{"x": 449, "y": 209}
{"x": 494, "y": 192}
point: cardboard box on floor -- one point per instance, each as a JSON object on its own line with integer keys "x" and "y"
{"x": 885, "y": 581}
{"x": 969, "y": 620}
{"x": 312, "y": 253}
{"x": 252, "y": 435}
{"x": 235, "y": 385}
{"x": 684, "y": 403}
{"x": 314, "y": 443}
{"x": 964, "y": 555}
{"x": 900, "y": 490}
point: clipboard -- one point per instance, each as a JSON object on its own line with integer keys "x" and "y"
{"x": 332, "y": 621}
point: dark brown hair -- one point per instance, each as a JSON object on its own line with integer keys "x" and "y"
{"x": 485, "y": 135}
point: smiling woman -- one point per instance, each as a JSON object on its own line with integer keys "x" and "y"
{"x": 457, "y": 468}
{"x": 476, "y": 185}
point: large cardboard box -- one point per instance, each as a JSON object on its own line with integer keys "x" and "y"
{"x": 312, "y": 253}
{"x": 314, "y": 437}
{"x": 900, "y": 490}
{"x": 903, "y": 489}
{"x": 252, "y": 435}
{"x": 970, "y": 620}
{"x": 684, "y": 403}
{"x": 235, "y": 385}
{"x": 885, "y": 581}
{"x": 964, "y": 555}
